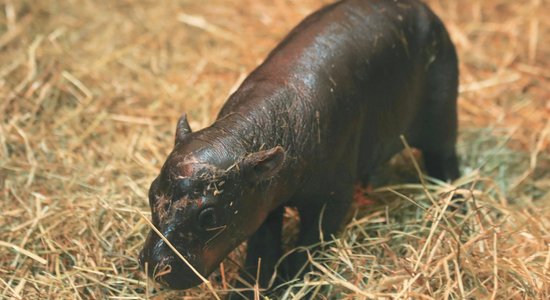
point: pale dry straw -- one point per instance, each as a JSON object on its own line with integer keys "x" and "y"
{"x": 90, "y": 92}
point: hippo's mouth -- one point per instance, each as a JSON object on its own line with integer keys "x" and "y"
{"x": 171, "y": 271}
{"x": 174, "y": 274}
{"x": 167, "y": 268}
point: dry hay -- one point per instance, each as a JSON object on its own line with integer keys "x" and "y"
{"x": 89, "y": 96}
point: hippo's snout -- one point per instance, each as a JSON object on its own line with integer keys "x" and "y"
{"x": 166, "y": 267}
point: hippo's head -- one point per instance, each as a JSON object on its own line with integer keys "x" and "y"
{"x": 205, "y": 202}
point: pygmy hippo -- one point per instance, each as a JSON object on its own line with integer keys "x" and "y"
{"x": 326, "y": 107}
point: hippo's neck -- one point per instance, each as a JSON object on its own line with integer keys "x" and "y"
{"x": 257, "y": 117}
{"x": 259, "y": 122}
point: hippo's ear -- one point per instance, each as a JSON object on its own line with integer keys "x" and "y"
{"x": 182, "y": 129}
{"x": 263, "y": 164}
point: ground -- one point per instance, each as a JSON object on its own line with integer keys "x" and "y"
{"x": 90, "y": 92}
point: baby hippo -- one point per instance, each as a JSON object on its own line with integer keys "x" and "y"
{"x": 322, "y": 112}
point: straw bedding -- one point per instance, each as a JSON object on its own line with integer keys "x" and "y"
{"x": 90, "y": 92}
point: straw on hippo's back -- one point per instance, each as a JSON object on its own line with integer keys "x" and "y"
{"x": 326, "y": 108}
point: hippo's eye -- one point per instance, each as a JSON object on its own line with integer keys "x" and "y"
{"x": 208, "y": 219}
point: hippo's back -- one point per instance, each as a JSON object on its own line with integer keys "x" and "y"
{"x": 342, "y": 87}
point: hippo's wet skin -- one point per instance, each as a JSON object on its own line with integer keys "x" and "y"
{"x": 326, "y": 107}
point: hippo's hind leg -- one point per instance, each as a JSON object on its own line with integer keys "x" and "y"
{"x": 441, "y": 165}
{"x": 439, "y": 123}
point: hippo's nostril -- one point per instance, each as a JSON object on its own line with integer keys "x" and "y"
{"x": 208, "y": 219}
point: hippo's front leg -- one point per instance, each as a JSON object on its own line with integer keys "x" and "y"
{"x": 265, "y": 248}
{"x": 324, "y": 217}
